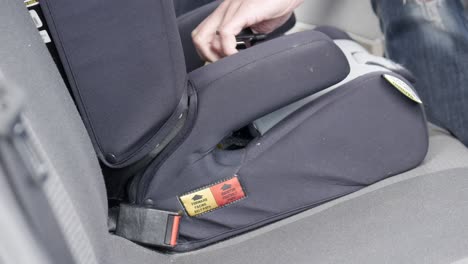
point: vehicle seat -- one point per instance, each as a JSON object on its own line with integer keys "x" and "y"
{"x": 416, "y": 217}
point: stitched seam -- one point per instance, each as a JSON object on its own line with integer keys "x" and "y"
{"x": 265, "y": 220}
{"x": 321, "y": 108}
{"x": 83, "y": 104}
{"x": 190, "y": 122}
{"x": 64, "y": 49}
{"x": 220, "y": 207}
{"x": 171, "y": 51}
{"x": 166, "y": 123}
{"x": 175, "y": 113}
{"x": 151, "y": 139}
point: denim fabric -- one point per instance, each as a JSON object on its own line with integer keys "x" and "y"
{"x": 430, "y": 38}
{"x": 184, "y": 6}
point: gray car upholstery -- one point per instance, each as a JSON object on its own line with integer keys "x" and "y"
{"x": 416, "y": 217}
{"x": 55, "y": 121}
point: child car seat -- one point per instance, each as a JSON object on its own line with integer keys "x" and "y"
{"x": 147, "y": 116}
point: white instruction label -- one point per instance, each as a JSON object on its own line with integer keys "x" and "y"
{"x": 30, "y": 3}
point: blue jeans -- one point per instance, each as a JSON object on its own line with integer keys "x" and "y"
{"x": 430, "y": 38}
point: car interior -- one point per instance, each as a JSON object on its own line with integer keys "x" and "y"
{"x": 57, "y": 200}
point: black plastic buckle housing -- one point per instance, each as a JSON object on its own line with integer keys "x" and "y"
{"x": 148, "y": 226}
{"x": 247, "y": 38}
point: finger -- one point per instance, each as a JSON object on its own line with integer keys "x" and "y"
{"x": 228, "y": 39}
{"x": 216, "y": 47}
{"x": 203, "y": 48}
{"x": 241, "y": 19}
{"x": 228, "y": 42}
{"x": 204, "y": 34}
{"x": 206, "y": 52}
{"x": 231, "y": 11}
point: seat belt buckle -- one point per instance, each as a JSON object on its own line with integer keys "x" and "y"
{"x": 244, "y": 41}
{"x": 148, "y": 226}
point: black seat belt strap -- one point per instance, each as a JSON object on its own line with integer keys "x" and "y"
{"x": 148, "y": 226}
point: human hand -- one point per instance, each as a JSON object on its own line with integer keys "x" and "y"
{"x": 215, "y": 37}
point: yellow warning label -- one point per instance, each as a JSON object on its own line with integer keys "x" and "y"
{"x": 199, "y": 202}
{"x": 30, "y": 3}
{"x": 403, "y": 87}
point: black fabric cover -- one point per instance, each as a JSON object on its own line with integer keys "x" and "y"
{"x": 358, "y": 134}
{"x": 125, "y": 64}
{"x": 237, "y": 90}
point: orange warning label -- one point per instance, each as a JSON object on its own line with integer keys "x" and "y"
{"x": 227, "y": 192}
{"x": 212, "y": 197}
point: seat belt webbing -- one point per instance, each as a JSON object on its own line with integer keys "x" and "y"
{"x": 148, "y": 226}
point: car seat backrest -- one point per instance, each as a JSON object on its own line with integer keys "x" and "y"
{"x": 57, "y": 127}
{"x": 111, "y": 57}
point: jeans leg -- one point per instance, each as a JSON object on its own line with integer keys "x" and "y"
{"x": 430, "y": 38}
{"x": 184, "y": 6}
